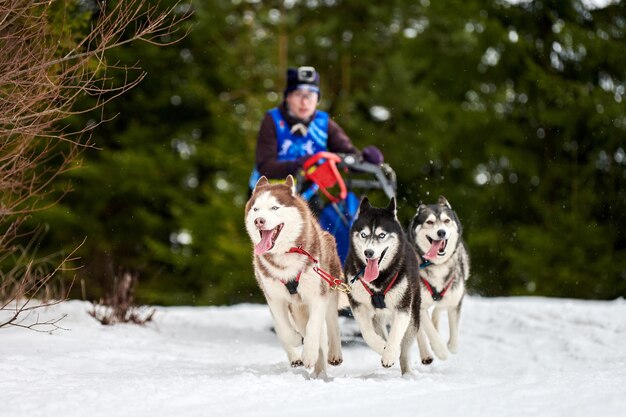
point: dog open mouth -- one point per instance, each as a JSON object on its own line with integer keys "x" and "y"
{"x": 371, "y": 268}
{"x": 437, "y": 248}
{"x": 268, "y": 239}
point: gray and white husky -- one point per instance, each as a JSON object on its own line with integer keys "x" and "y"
{"x": 303, "y": 306}
{"x": 436, "y": 233}
{"x": 383, "y": 270}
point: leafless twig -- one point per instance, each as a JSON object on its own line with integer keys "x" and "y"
{"x": 20, "y": 287}
{"x": 43, "y": 75}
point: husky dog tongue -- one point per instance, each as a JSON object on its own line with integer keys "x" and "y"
{"x": 266, "y": 242}
{"x": 268, "y": 238}
{"x": 434, "y": 249}
{"x": 371, "y": 270}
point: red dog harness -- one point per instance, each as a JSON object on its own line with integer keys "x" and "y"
{"x": 433, "y": 291}
{"x": 378, "y": 299}
{"x": 334, "y": 283}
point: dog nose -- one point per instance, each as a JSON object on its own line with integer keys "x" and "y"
{"x": 441, "y": 233}
{"x": 259, "y": 222}
{"x": 369, "y": 253}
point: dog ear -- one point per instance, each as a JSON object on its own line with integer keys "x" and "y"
{"x": 260, "y": 183}
{"x": 364, "y": 205}
{"x": 420, "y": 209}
{"x": 291, "y": 183}
{"x": 443, "y": 202}
{"x": 392, "y": 207}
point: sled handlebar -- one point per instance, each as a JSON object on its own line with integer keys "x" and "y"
{"x": 384, "y": 176}
{"x": 334, "y": 164}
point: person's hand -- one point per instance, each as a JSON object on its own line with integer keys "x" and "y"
{"x": 373, "y": 155}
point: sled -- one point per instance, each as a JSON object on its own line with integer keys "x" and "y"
{"x": 339, "y": 177}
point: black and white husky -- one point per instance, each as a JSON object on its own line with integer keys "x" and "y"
{"x": 436, "y": 234}
{"x": 383, "y": 270}
{"x": 289, "y": 248}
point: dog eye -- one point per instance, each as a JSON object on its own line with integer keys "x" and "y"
{"x": 382, "y": 235}
{"x": 274, "y": 208}
{"x": 363, "y": 235}
{"x": 430, "y": 222}
{"x": 255, "y": 209}
{"x": 446, "y": 221}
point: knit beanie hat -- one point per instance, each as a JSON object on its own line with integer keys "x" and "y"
{"x": 302, "y": 77}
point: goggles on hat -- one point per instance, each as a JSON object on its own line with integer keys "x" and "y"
{"x": 306, "y": 74}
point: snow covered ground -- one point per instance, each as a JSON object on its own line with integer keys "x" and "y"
{"x": 517, "y": 357}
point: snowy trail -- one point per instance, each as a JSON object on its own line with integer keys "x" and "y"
{"x": 517, "y": 357}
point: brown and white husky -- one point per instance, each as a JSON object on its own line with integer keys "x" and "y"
{"x": 281, "y": 226}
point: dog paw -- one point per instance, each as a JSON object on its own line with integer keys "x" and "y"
{"x": 294, "y": 356}
{"x": 386, "y": 364}
{"x": 453, "y": 347}
{"x": 388, "y": 359}
{"x": 336, "y": 361}
{"x": 334, "y": 356}
{"x": 427, "y": 361}
{"x": 296, "y": 364}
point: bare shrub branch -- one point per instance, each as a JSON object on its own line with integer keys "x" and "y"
{"x": 27, "y": 280}
{"x": 44, "y": 74}
{"x": 118, "y": 307}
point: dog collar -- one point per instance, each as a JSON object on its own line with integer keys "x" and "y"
{"x": 361, "y": 272}
{"x": 425, "y": 263}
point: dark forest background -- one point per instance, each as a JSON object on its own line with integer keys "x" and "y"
{"x": 515, "y": 113}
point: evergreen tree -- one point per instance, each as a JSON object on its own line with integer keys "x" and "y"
{"x": 513, "y": 112}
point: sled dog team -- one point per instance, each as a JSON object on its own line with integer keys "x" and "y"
{"x": 392, "y": 279}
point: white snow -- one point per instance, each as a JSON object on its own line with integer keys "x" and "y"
{"x": 589, "y": 4}
{"x": 517, "y": 357}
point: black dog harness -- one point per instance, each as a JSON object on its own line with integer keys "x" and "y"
{"x": 292, "y": 286}
{"x": 378, "y": 298}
